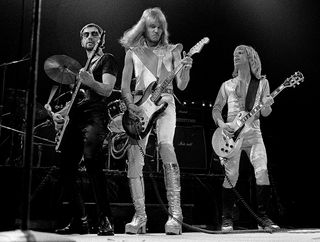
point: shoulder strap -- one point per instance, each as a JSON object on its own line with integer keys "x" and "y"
{"x": 251, "y": 93}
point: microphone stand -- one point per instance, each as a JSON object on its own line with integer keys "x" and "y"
{"x": 30, "y": 114}
{"x": 28, "y": 146}
{"x": 3, "y": 86}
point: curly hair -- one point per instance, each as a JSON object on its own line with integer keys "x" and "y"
{"x": 253, "y": 59}
{"x": 135, "y": 35}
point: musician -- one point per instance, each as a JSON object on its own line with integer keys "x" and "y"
{"x": 149, "y": 55}
{"x": 85, "y": 133}
{"x": 245, "y": 90}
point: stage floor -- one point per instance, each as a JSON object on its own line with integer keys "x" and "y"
{"x": 285, "y": 235}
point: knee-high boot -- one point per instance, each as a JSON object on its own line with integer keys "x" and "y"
{"x": 228, "y": 200}
{"x": 263, "y": 199}
{"x": 139, "y": 220}
{"x": 172, "y": 182}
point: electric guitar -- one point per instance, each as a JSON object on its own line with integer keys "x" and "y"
{"x": 226, "y": 144}
{"x": 61, "y": 132}
{"x": 138, "y": 127}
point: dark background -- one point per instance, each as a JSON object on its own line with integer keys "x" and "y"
{"x": 285, "y": 33}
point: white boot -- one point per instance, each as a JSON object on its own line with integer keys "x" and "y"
{"x": 139, "y": 220}
{"x": 172, "y": 182}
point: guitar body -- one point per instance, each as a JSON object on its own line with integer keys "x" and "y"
{"x": 138, "y": 127}
{"x": 227, "y": 144}
{"x": 224, "y": 145}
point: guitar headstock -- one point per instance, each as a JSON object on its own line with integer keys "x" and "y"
{"x": 197, "y": 47}
{"x": 99, "y": 43}
{"x": 101, "y": 40}
{"x": 294, "y": 80}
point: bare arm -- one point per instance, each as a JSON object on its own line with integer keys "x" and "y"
{"x": 126, "y": 83}
{"x": 126, "y": 78}
{"x": 183, "y": 76}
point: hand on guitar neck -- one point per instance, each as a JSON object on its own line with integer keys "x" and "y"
{"x": 266, "y": 102}
{"x": 186, "y": 61}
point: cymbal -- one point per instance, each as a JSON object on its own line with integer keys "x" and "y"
{"x": 62, "y": 69}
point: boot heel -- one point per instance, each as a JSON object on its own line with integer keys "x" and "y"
{"x": 139, "y": 220}
{"x": 130, "y": 229}
{"x": 173, "y": 230}
{"x": 142, "y": 229}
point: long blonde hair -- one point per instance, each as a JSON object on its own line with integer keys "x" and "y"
{"x": 135, "y": 35}
{"x": 254, "y": 61}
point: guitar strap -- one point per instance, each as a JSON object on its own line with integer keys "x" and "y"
{"x": 251, "y": 93}
{"x": 94, "y": 63}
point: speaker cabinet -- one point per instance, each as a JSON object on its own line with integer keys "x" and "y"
{"x": 190, "y": 147}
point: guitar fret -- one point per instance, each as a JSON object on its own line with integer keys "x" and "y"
{"x": 277, "y": 91}
{"x": 257, "y": 108}
{"x": 156, "y": 94}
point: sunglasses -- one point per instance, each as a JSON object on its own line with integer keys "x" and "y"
{"x": 93, "y": 34}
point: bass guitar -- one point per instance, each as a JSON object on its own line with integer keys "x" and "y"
{"x": 226, "y": 144}
{"x": 61, "y": 132}
{"x": 138, "y": 127}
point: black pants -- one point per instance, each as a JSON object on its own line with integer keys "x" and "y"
{"x": 84, "y": 137}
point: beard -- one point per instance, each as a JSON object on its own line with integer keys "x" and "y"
{"x": 89, "y": 48}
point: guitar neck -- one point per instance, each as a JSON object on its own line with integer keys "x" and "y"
{"x": 257, "y": 108}
{"x": 156, "y": 94}
{"x": 76, "y": 90}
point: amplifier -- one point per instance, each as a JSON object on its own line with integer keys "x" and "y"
{"x": 190, "y": 146}
{"x": 194, "y": 116}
